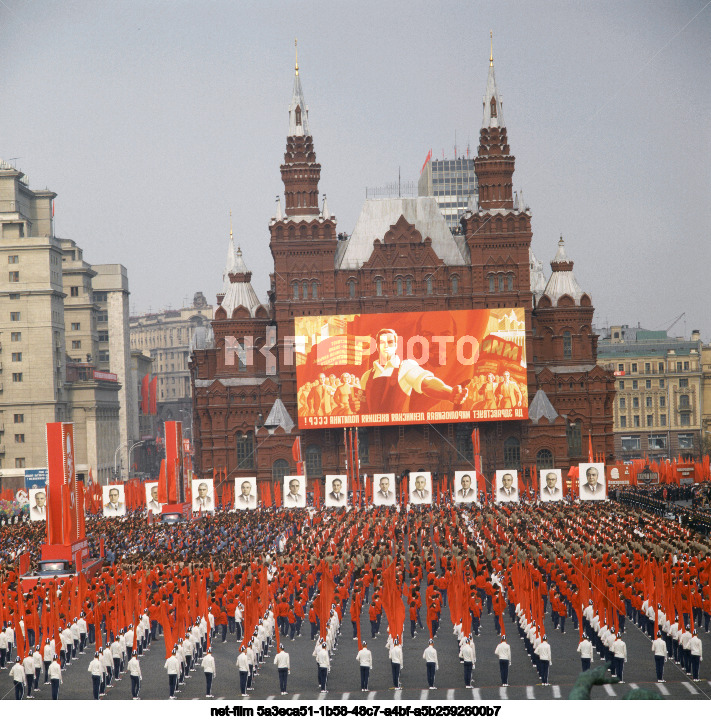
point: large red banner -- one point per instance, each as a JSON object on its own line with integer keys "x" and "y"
{"x": 65, "y": 518}
{"x": 405, "y": 368}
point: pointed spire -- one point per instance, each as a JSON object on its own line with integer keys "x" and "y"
{"x": 298, "y": 111}
{"x": 324, "y": 213}
{"x": 493, "y": 103}
{"x": 231, "y": 255}
{"x": 279, "y": 215}
{"x": 562, "y": 281}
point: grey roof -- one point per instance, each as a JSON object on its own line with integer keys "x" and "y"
{"x": 562, "y": 281}
{"x": 492, "y": 91}
{"x": 239, "y": 293}
{"x": 297, "y": 100}
{"x": 279, "y": 416}
{"x": 230, "y": 382}
{"x": 541, "y": 406}
{"x": 375, "y": 220}
{"x": 538, "y": 278}
{"x": 571, "y": 369}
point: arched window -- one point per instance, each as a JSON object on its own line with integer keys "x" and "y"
{"x": 574, "y": 434}
{"x": 567, "y": 345}
{"x": 544, "y": 458}
{"x": 351, "y": 288}
{"x": 492, "y": 284}
{"x": 492, "y": 105}
{"x": 280, "y": 468}
{"x": 295, "y": 287}
{"x": 512, "y": 452}
{"x": 314, "y": 289}
{"x": 363, "y": 446}
{"x": 378, "y": 286}
{"x": 501, "y": 282}
{"x": 408, "y": 285}
{"x": 465, "y": 447}
{"x": 398, "y": 286}
{"x": 245, "y": 450}
{"x": 509, "y": 281}
{"x": 454, "y": 284}
{"x": 297, "y": 113}
{"x": 305, "y": 290}
{"x": 313, "y": 462}
{"x": 429, "y": 285}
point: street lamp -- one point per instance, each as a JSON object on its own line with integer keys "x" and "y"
{"x": 130, "y": 450}
{"x": 118, "y": 448}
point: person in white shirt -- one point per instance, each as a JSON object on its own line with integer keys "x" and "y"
{"x": 468, "y": 653}
{"x": 430, "y": 656}
{"x": 696, "y": 654}
{"x": 116, "y": 659}
{"x": 365, "y": 661}
{"x": 172, "y": 666}
{"x": 96, "y": 669}
{"x": 324, "y": 666}
{"x": 208, "y": 666}
{"x": 10, "y": 636}
{"x": 28, "y": 666}
{"x": 37, "y": 658}
{"x": 659, "y": 649}
{"x": 238, "y": 620}
{"x": 55, "y": 677}
{"x": 17, "y": 673}
{"x": 3, "y": 647}
{"x": 503, "y": 652}
{"x": 619, "y": 650}
{"x": 281, "y": 661}
{"x": 243, "y": 668}
{"x": 396, "y": 659}
{"x": 585, "y": 650}
{"x": 128, "y": 640}
{"x": 544, "y": 655}
{"x": 134, "y": 670}
{"x": 108, "y": 661}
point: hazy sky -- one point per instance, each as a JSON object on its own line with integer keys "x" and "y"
{"x": 152, "y": 119}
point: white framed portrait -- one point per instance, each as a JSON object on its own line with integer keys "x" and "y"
{"x": 420, "y": 488}
{"x": 550, "y": 485}
{"x": 245, "y": 493}
{"x": 38, "y": 504}
{"x": 203, "y": 495}
{"x": 294, "y": 492}
{"x": 465, "y": 488}
{"x": 507, "y": 486}
{"x": 384, "y": 489}
{"x": 113, "y": 500}
{"x": 152, "y": 502}
{"x": 336, "y": 491}
{"x": 591, "y": 482}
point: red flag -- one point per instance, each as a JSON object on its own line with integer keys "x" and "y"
{"x": 145, "y": 395}
{"x": 267, "y": 495}
{"x": 277, "y": 495}
{"x": 590, "y": 448}
{"x": 153, "y": 397}
{"x": 167, "y": 629}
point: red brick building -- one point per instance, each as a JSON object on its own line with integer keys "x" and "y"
{"x": 401, "y": 256}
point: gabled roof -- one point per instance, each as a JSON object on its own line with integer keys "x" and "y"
{"x": 377, "y": 216}
{"x": 279, "y": 416}
{"x": 540, "y": 407}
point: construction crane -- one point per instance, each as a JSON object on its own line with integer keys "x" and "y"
{"x": 673, "y": 323}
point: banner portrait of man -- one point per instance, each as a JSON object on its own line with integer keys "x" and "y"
{"x": 420, "y": 487}
{"x": 203, "y": 495}
{"x": 294, "y": 492}
{"x": 114, "y": 500}
{"x": 245, "y": 493}
{"x": 384, "y": 489}
{"x": 336, "y": 491}
{"x": 465, "y": 488}
{"x": 38, "y": 504}
{"x": 591, "y": 481}
{"x": 152, "y": 503}
{"x": 507, "y": 486}
{"x": 551, "y": 488}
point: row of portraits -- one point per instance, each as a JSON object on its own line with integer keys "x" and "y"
{"x": 591, "y": 487}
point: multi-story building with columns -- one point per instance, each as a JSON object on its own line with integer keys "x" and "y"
{"x": 400, "y": 256}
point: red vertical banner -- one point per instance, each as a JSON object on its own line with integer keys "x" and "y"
{"x": 174, "y": 461}
{"x": 145, "y": 395}
{"x": 64, "y": 518}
